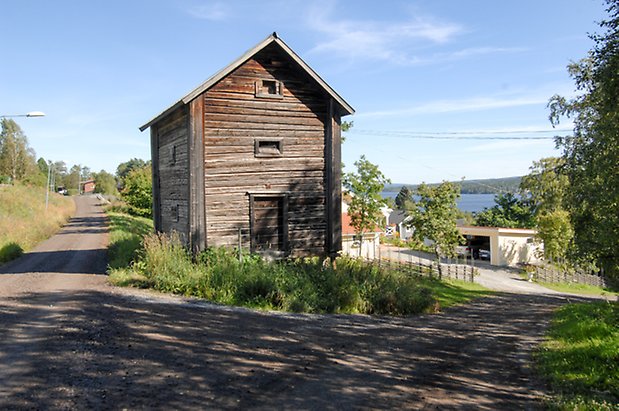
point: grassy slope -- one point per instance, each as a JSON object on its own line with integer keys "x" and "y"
{"x": 580, "y": 358}
{"x": 126, "y": 234}
{"x": 583, "y": 289}
{"x": 24, "y": 222}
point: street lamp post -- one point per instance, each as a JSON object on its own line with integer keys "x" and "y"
{"x": 30, "y": 114}
{"x": 49, "y": 179}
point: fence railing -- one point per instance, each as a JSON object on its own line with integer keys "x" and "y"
{"x": 430, "y": 268}
{"x": 551, "y": 274}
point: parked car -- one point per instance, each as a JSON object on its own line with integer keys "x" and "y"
{"x": 484, "y": 254}
{"x": 63, "y": 191}
{"x": 463, "y": 251}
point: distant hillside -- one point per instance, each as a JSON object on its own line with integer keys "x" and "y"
{"x": 484, "y": 186}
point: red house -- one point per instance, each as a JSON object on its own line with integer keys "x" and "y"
{"x": 87, "y": 187}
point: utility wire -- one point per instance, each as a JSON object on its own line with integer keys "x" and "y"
{"x": 463, "y": 135}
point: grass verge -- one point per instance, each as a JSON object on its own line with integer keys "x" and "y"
{"x": 126, "y": 234}
{"x": 575, "y": 288}
{"x": 24, "y": 221}
{"x": 580, "y": 358}
{"x": 456, "y": 292}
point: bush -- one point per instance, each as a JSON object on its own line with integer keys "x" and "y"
{"x": 10, "y": 252}
{"x": 303, "y": 285}
{"x": 137, "y": 191}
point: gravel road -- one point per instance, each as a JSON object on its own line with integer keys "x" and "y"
{"x": 70, "y": 341}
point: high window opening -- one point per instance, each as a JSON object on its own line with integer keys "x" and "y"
{"x": 269, "y": 88}
{"x": 268, "y": 148}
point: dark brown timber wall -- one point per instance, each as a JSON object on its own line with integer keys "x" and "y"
{"x": 171, "y": 177}
{"x": 234, "y": 117}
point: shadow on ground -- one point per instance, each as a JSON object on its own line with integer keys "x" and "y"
{"x": 99, "y": 350}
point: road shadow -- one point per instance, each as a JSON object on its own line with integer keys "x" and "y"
{"x": 63, "y": 262}
{"x": 98, "y": 350}
{"x": 73, "y": 250}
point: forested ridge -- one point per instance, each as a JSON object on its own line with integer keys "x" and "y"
{"x": 481, "y": 186}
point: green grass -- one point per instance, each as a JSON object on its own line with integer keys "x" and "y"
{"x": 456, "y": 292}
{"x": 575, "y": 288}
{"x": 304, "y": 285}
{"x": 126, "y": 234}
{"x": 24, "y": 221}
{"x": 580, "y": 358}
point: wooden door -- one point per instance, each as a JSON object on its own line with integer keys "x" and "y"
{"x": 268, "y": 225}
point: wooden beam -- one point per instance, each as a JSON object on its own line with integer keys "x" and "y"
{"x": 154, "y": 153}
{"x": 336, "y": 187}
{"x": 197, "y": 218}
{"x": 329, "y": 178}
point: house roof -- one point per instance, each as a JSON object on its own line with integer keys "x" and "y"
{"x": 272, "y": 39}
{"x": 347, "y": 228}
{"x": 397, "y": 216}
{"x": 497, "y": 231}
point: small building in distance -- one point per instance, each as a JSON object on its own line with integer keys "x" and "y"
{"x": 365, "y": 247}
{"x": 506, "y": 246}
{"x": 87, "y": 187}
{"x": 252, "y": 156}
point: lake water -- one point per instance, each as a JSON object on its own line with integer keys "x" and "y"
{"x": 467, "y": 202}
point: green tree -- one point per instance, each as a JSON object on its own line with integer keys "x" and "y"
{"x": 546, "y": 187}
{"x": 509, "y": 211}
{"x": 72, "y": 179}
{"x": 123, "y": 169}
{"x": 591, "y": 154}
{"x": 105, "y": 183}
{"x": 555, "y": 230}
{"x": 137, "y": 191}
{"x": 43, "y": 166}
{"x": 434, "y": 217}
{"x": 17, "y": 159}
{"x": 365, "y": 186}
{"x": 403, "y": 198}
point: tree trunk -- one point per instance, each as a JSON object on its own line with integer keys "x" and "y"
{"x": 360, "y": 244}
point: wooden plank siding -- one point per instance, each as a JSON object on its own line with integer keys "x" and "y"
{"x": 173, "y": 173}
{"x": 234, "y": 117}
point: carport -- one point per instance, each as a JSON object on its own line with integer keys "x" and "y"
{"x": 508, "y": 246}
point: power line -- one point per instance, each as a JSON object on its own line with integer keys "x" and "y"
{"x": 464, "y": 135}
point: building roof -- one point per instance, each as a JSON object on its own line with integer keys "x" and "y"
{"x": 397, "y": 216}
{"x": 347, "y": 228}
{"x": 272, "y": 39}
{"x": 502, "y": 231}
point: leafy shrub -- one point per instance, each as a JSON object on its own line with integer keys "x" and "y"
{"x": 303, "y": 285}
{"x": 137, "y": 191}
{"x": 10, "y": 252}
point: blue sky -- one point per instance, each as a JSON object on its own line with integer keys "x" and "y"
{"x": 101, "y": 69}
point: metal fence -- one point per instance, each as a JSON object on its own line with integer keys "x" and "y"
{"x": 551, "y": 274}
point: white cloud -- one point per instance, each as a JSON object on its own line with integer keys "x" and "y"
{"x": 377, "y": 40}
{"x": 393, "y": 41}
{"x": 216, "y": 11}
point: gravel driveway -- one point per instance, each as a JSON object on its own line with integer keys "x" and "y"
{"x": 70, "y": 341}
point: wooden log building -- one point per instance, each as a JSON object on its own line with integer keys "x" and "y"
{"x": 253, "y": 153}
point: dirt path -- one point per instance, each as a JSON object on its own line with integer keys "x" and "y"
{"x": 70, "y": 341}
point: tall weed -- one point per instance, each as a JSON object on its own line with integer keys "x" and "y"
{"x": 304, "y": 285}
